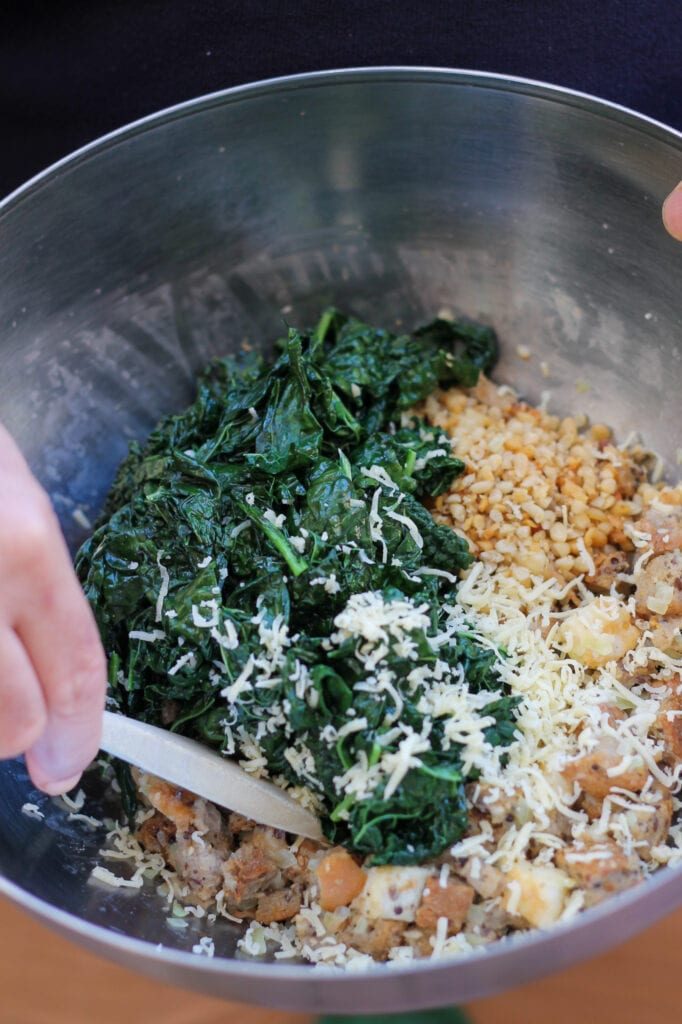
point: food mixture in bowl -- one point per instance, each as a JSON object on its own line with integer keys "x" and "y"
{"x": 447, "y": 621}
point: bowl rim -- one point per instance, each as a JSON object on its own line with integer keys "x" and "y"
{"x": 383, "y": 73}
{"x": 499, "y": 951}
{"x": 668, "y": 880}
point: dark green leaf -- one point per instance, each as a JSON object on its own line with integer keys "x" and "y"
{"x": 253, "y": 515}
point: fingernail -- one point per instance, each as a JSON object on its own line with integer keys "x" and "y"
{"x": 672, "y": 212}
{"x": 61, "y": 753}
{"x": 58, "y": 788}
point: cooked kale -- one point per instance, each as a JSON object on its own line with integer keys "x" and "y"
{"x": 249, "y": 528}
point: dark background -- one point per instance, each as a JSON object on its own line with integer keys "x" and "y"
{"x": 70, "y": 71}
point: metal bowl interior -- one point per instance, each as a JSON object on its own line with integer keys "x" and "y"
{"x": 389, "y": 192}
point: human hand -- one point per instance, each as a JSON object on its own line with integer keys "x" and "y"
{"x": 52, "y": 667}
{"x": 672, "y": 213}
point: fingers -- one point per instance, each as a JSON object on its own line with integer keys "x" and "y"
{"x": 57, "y": 629}
{"x": 672, "y": 213}
{"x": 73, "y": 680}
{"x": 48, "y": 638}
{"x": 23, "y": 714}
{"x": 11, "y": 460}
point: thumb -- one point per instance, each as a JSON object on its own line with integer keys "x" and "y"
{"x": 672, "y": 213}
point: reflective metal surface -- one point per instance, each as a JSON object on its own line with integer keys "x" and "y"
{"x": 392, "y": 193}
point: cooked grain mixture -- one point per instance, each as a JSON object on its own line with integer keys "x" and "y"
{"x": 578, "y": 583}
{"x": 552, "y": 496}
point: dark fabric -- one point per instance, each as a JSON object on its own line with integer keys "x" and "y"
{"x": 70, "y": 71}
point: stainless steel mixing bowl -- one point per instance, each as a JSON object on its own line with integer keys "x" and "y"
{"x": 392, "y": 193}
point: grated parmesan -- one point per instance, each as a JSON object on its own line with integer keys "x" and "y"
{"x": 32, "y": 811}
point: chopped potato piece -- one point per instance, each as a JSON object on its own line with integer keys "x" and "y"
{"x": 483, "y": 878}
{"x": 599, "y": 632}
{"x": 536, "y": 893}
{"x": 340, "y": 879}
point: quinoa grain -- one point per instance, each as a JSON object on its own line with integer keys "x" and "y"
{"x": 537, "y": 488}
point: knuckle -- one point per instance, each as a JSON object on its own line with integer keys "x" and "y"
{"x": 21, "y": 728}
{"x": 94, "y": 662}
{"x": 30, "y": 530}
{"x": 84, "y": 688}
